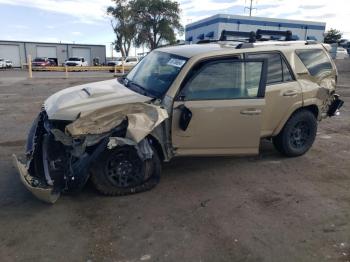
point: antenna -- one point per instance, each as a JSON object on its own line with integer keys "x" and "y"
{"x": 250, "y": 8}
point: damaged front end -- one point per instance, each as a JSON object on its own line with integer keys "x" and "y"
{"x": 59, "y": 153}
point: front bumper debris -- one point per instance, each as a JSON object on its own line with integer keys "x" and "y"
{"x": 45, "y": 194}
{"x": 60, "y": 154}
{"x": 335, "y": 106}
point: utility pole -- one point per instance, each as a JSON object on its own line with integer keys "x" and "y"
{"x": 112, "y": 47}
{"x": 250, "y": 8}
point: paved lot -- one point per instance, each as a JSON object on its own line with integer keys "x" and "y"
{"x": 18, "y": 74}
{"x": 264, "y": 208}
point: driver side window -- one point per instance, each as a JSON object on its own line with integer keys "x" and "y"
{"x": 226, "y": 79}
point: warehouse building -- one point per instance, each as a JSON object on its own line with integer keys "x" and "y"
{"x": 211, "y": 27}
{"x": 18, "y": 51}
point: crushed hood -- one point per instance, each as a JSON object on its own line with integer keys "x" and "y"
{"x": 142, "y": 119}
{"x": 67, "y": 104}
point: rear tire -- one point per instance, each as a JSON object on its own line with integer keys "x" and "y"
{"x": 297, "y": 135}
{"x": 120, "y": 171}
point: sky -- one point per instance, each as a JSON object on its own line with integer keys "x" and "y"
{"x": 86, "y": 22}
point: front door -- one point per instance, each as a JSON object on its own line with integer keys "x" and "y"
{"x": 219, "y": 108}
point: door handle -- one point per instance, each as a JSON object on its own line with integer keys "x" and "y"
{"x": 290, "y": 93}
{"x": 251, "y": 112}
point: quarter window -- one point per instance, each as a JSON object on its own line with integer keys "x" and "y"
{"x": 316, "y": 61}
{"x": 277, "y": 69}
{"x": 221, "y": 80}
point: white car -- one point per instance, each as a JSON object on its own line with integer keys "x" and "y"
{"x": 341, "y": 53}
{"x": 8, "y": 63}
{"x": 76, "y": 61}
{"x": 129, "y": 62}
{"x": 2, "y": 63}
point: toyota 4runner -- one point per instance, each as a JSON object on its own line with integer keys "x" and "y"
{"x": 205, "y": 99}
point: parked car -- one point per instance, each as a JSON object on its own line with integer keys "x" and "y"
{"x": 9, "y": 64}
{"x": 129, "y": 62}
{"x": 115, "y": 62}
{"x": 76, "y": 61}
{"x": 2, "y": 63}
{"x": 42, "y": 62}
{"x": 192, "y": 100}
{"x": 342, "y": 53}
{"x": 343, "y": 42}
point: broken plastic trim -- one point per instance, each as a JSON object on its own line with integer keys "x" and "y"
{"x": 47, "y": 194}
{"x": 59, "y": 161}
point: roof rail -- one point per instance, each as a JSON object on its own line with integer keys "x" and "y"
{"x": 260, "y": 33}
{"x": 251, "y": 36}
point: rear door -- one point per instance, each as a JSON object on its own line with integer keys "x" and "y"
{"x": 283, "y": 93}
{"x": 219, "y": 108}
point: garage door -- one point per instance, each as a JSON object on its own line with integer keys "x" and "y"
{"x": 82, "y": 52}
{"x": 11, "y": 52}
{"x": 46, "y": 51}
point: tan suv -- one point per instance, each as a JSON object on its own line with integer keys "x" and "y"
{"x": 193, "y": 100}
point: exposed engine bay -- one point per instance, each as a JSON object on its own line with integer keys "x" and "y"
{"x": 59, "y": 154}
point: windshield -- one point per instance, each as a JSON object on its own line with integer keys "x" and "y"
{"x": 74, "y": 59}
{"x": 155, "y": 73}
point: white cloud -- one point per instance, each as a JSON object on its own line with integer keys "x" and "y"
{"x": 90, "y": 11}
{"x": 19, "y": 26}
{"x": 335, "y": 13}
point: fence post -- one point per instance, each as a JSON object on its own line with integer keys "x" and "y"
{"x": 66, "y": 69}
{"x": 30, "y": 71}
{"x": 115, "y": 70}
{"x": 123, "y": 69}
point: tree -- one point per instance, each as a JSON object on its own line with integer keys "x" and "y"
{"x": 123, "y": 25}
{"x": 157, "y": 22}
{"x": 332, "y": 36}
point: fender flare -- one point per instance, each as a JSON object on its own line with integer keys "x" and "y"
{"x": 309, "y": 106}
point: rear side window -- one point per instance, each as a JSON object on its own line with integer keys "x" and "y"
{"x": 222, "y": 80}
{"x": 316, "y": 61}
{"x": 277, "y": 69}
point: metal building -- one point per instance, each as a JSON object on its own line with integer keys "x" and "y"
{"x": 211, "y": 27}
{"x": 18, "y": 51}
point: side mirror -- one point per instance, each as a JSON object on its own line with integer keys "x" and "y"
{"x": 185, "y": 117}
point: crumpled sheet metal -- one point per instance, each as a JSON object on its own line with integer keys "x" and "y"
{"x": 142, "y": 119}
{"x": 144, "y": 149}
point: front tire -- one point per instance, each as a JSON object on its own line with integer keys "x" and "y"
{"x": 298, "y": 134}
{"x": 120, "y": 171}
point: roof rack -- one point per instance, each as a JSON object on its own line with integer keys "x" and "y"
{"x": 250, "y": 36}
{"x": 259, "y": 38}
{"x": 273, "y": 33}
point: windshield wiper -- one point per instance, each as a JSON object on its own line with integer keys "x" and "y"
{"x": 141, "y": 89}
